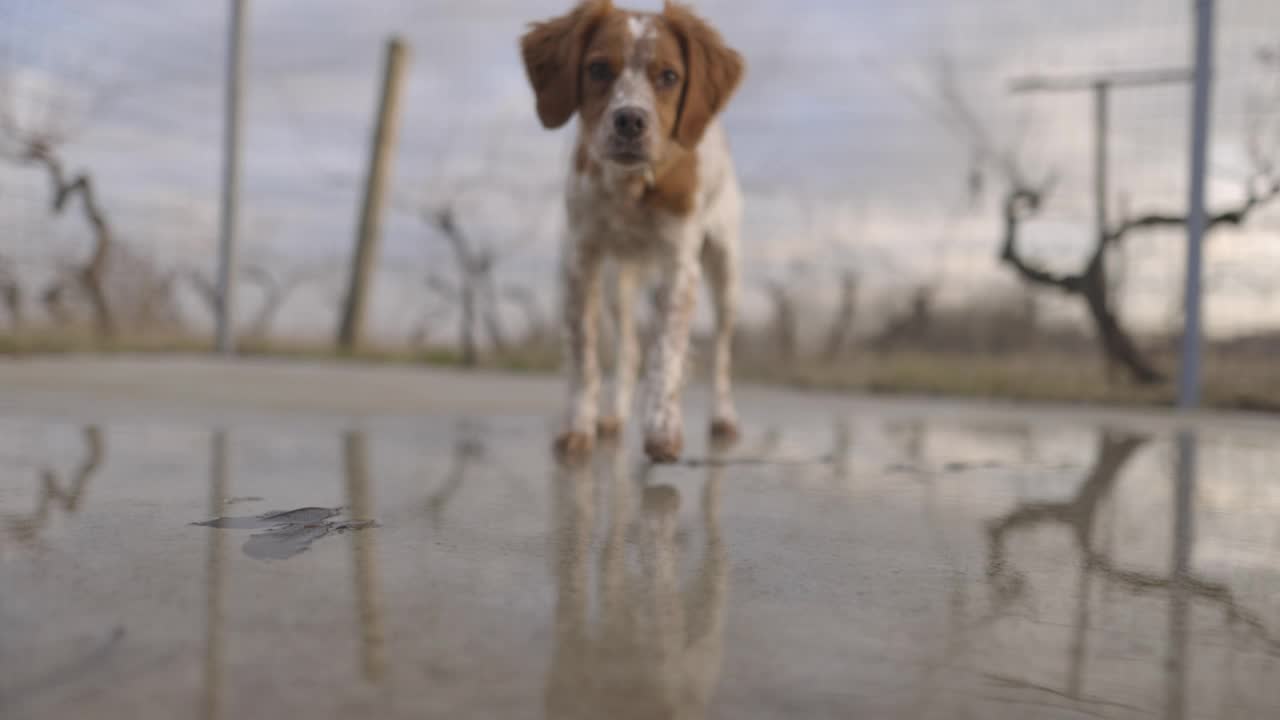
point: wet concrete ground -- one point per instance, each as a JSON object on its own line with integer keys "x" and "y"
{"x": 400, "y": 544}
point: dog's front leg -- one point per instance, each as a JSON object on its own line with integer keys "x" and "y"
{"x": 581, "y": 285}
{"x": 626, "y": 359}
{"x": 676, "y": 298}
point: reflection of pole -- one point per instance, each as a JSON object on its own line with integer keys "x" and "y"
{"x": 1080, "y": 642}
{"x": 215, "y": 564}
{"x": 1180, "y": 597}
{"x": 372, "y": 637}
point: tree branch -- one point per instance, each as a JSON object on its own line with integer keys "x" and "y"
{"x": 205, "y": 288}
{"x": 1233, "y": 216}
{"x": 1020, "y": 205}
{"x": 91, "y": 274}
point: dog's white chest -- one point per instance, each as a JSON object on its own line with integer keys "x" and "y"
{"x": 616, "y": 219}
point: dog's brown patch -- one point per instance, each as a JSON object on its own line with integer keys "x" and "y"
{"x": 675, "y": 189}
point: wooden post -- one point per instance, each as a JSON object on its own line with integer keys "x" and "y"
{"x": 365, "y": 258}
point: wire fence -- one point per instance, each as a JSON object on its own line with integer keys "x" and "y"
{"x": 875, "y": 144}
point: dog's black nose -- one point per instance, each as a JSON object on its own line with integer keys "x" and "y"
{"x": 629, "y": 123}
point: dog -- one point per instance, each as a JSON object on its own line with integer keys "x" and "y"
{"x": 652, "y": 190}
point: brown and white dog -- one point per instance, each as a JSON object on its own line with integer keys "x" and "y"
{"x": 652, "y": 190}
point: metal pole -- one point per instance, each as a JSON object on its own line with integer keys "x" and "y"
{"x": 230, "y": 179}
{"x": 1100, "y": 129}
{"x": 1189, "y": 372}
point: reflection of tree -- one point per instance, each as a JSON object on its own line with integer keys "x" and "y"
{"x": 52, "y": 492}
{"x": 842, "y": 451}
{"x": 1080, "y": 515}
{"x": 468, "y": 449}
{"x": 656, "y": 648}
{"x": 913, "y": 434}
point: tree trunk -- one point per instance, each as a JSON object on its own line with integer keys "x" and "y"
{"x": 12, "y": 297}
{"x": 842, "y": 326}
{"x": 1117, "y": 345}
{"x": 492, "y": 313}
{"x": 470, "y": 355}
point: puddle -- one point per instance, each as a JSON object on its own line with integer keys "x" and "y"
{"x": 287, "y": 532}
{"x": 1101, "y": 569}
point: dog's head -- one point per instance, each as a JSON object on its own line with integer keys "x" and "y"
{"x": 639, "y": 81}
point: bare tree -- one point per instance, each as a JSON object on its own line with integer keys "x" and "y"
{"x": 537, "y": 329}
{"x": 1091, "y": 282}
{"x": 276, "y": 287}
{"x": 785, "y": 329}
{"x": 11, "y": 295}
{"x": 841, "y": 331}
{"x": 909, "y": 326}
{"x": 1025, "y": 198}
{"x": 423, "y": 330}
{"x": 90, "y": 274}
{"x": 142, "y": 294}
{"x": 140, "y": 288}
{"x": 475, "y": 292}
{"x": 206, "y": 289}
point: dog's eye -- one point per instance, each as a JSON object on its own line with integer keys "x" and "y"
{"x": 668, "y": 78}
{"x": 600, "y": 71}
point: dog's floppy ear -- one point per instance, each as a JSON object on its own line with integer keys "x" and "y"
{"x": 552, "y": 53}
{"x": 712, "y": 72}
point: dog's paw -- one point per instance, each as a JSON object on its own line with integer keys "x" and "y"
{"x": 573, "y": 446}
{"x": 609, "y": 428}
{"x": 664, "y": 447}
{"x": 725, "y": 432}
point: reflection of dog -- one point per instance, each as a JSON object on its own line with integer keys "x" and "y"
{"x": 652, "y": 186}
{"x": 655, "y": 651}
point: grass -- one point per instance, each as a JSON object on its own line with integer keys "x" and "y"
{"x": 46, "y": 343}
{"x": 1230, "y": 382}
{"x": 1239, "y": 381}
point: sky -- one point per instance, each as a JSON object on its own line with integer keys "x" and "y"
{"x": 845, "y": 153}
